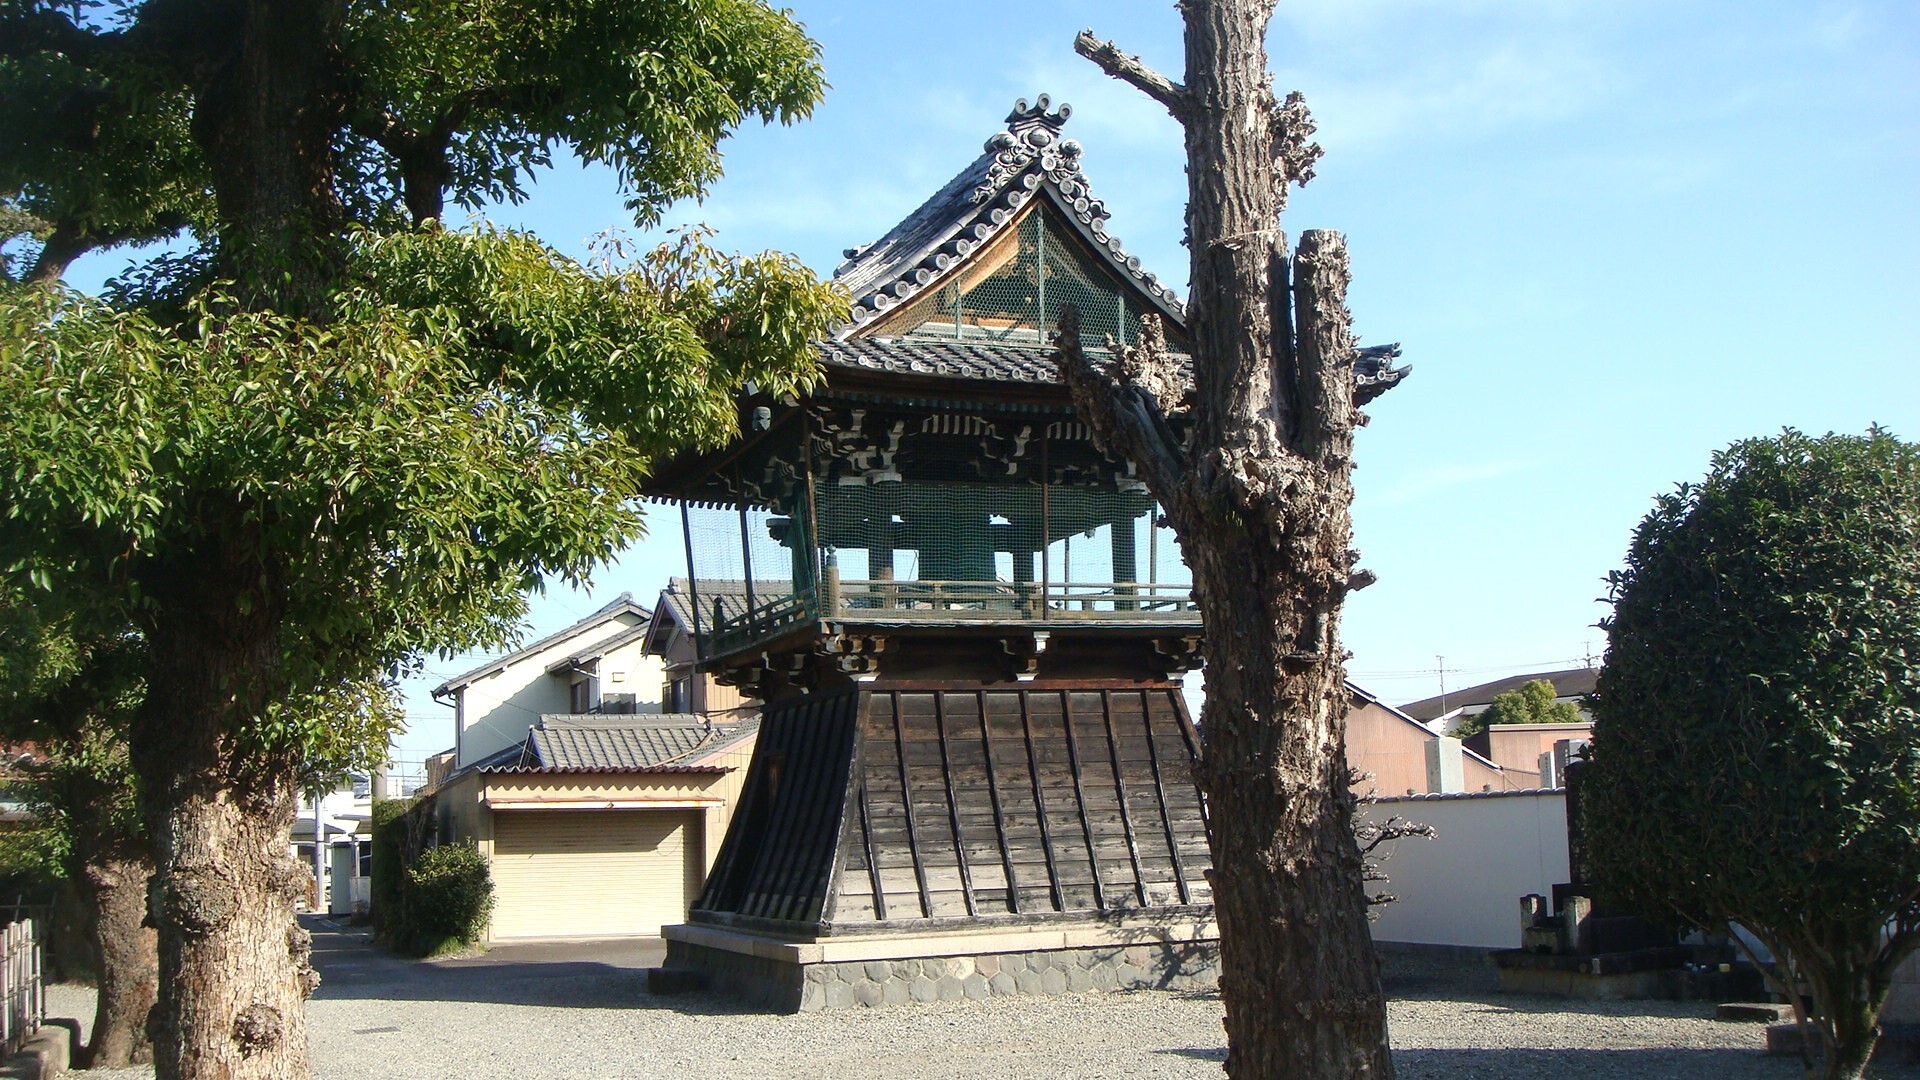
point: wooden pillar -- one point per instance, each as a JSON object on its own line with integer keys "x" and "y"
{"x": 1126, "y": 568}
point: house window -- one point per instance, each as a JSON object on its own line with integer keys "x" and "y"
{"x": 680, "y": 694}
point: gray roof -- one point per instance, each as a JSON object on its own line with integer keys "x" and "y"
{"x": 1373, "y": 367}
{"x": 1026, "y": 160}
{"x": 956, "y": 360}
{"x": 621, "y": 742}
{"x": 730, "y": 594}
{"x": 621, "y": 605}
{"x": 1567, "y": 683}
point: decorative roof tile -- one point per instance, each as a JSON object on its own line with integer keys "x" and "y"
{"x": 1027, "y": 160}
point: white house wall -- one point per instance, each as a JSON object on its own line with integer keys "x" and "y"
{"x": 494, "y": 711}
{"x": 1463, "y": 886}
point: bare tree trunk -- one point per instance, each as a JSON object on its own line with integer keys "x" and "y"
{"x": 218, "y": 782}
{"x": 116, "y": 888}
{"x": 234, "y": 963}
{"x": 1259, "y": 496}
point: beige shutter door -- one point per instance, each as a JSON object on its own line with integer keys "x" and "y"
{"x": 593, "y": 873}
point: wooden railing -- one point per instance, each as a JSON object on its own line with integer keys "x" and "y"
{"x": 763, "y": 619}
{"x": 21, "y": 988}
{"x": 944, "y": 601}
{"x": 1030, "y": 600}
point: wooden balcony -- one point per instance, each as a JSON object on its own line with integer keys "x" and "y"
{"x": 740, "y": 622}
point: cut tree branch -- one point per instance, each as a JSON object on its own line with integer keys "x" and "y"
{"x": 1126, "y": 417}
{"x": 1324, "y": 409}
{"x": 1128, "y": 69}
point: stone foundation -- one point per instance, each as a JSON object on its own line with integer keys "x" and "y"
{"x": 1673, "y": 973}
{"x": 860, "y": 972}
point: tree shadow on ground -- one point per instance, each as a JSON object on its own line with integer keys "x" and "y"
{"x": 566, "y": 984}
{"x": 1532, "y": 1063}
{"x": 351, "y": 967}
{"x": 1527, "y": 1063}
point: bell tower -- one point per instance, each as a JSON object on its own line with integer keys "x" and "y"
{"x": 974, "y": 773}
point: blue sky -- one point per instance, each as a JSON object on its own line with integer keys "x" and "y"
{"x": 1612, "y": 236}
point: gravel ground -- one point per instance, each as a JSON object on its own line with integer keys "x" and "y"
{"x": 376, "y": 1016}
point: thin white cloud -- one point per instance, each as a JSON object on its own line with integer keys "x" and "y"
{"x": 1349, "y": 16}
{"x": 1512, "y": 85}
{"x": 1434, "y": 480}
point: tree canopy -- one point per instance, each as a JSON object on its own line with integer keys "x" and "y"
{"x": 321, "y": 433}
{"x": 1756, "y": 751}
{"x": 1533, "y": 702}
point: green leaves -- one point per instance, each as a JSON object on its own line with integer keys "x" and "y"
{"x": 479, "y": 416}
{"x": 474, "y": 95}
{"x": 1757, "y": 729}
{"x": 1532, "y": 703}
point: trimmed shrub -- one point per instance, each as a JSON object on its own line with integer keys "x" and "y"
{"x": 449, "y": 896}
{"x": 389, "y": 860}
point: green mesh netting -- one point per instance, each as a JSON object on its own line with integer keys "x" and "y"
{"x": 933, "y": 516}
{"x": 1012, "y": 292}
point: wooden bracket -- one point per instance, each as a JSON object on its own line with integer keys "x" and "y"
{"x": 857, "y": 655}
{"x": 1025, "y": 650}
{"x": 1179, "y": 654}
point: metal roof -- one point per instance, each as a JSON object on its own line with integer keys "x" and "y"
{"x": 1567, "y": 683}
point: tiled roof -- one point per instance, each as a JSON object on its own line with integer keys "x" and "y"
{"x": 730, "y": 594}
{"x": 1373, "y": 367}
{"x": 955, "y": 360}
{"x": 622, "y": 742}
{"x": 1028, "y": 159}
{"x": 570, "y": 746}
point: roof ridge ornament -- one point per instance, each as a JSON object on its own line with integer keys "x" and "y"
{"x": 1024, "y": 116}
{"x": 1020, "y": 161}
{"x": 1033, "y": 133}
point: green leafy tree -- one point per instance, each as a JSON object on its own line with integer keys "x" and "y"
{"x": 1532, "y": 703}
{"x": 1756, "y": 751}
{"x": 332, "y": 434}
{"x": 70, "y": 690}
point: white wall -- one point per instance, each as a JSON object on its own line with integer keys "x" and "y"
{"x": 494, "y": 711}
{"x": 1463, "y": 886}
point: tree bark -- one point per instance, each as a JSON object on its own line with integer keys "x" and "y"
{"x": 116, "y": 889}
{"x": 270, "y": 97}
{"x": 1260, "y": 499}
{"x": 218, "y": 789}
{"x": 234, "y": 962}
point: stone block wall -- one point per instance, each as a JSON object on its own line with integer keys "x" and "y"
{"x": 790, "y": 987}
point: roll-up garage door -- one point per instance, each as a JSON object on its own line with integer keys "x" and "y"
{"x": 593, "y": 873}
